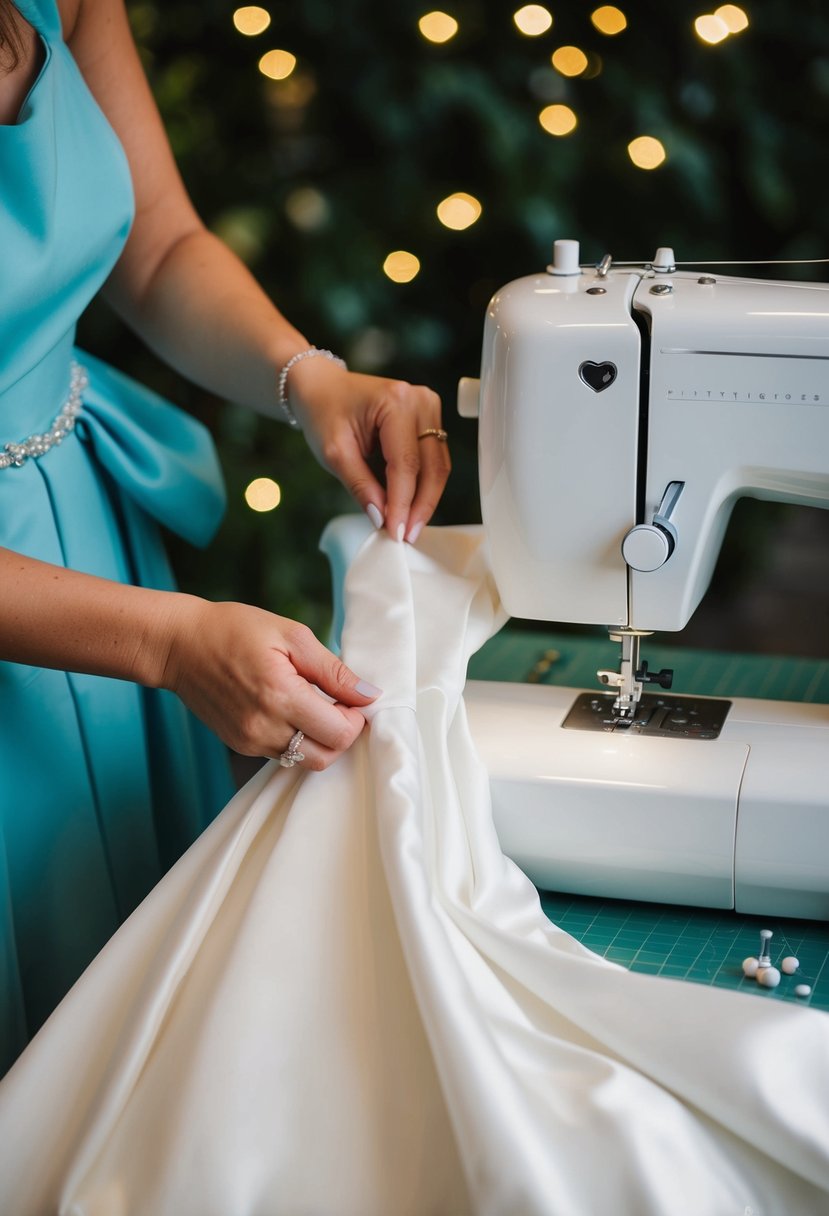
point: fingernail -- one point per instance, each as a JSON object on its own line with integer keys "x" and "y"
{"x": 400, "y": 532}
{"x": 374, "y": 515}
{"x": 367, "y": 690}
{"x": 414, "y": 532}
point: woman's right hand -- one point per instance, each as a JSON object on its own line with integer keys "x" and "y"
{"x": 253, "y": 678}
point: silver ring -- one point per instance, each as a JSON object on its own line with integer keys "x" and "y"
{"x": 292, "y": 755}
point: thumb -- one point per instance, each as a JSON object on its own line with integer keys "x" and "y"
{"x": 320, "y": 666}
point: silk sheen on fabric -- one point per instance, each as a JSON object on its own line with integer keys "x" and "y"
{"x": 345, "y": 1001}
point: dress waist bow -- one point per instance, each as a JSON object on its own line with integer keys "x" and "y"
{"x": 163, "y": 458}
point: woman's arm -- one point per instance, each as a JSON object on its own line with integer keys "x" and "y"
{"x": 198, "y": 306}
{"x": 248, "y": 674}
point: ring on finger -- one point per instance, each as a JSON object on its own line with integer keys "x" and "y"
{"x": 434, "y": 432}
{"x": 292, "y": 755}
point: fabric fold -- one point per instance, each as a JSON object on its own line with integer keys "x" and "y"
{"x": 345, "y": 1001}
{"x": 159, "y": 455}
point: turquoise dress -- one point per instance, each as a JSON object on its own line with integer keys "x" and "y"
{"x": 104, "y": 784}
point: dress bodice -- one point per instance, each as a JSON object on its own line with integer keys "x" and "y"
{"x": 66, "y": 205}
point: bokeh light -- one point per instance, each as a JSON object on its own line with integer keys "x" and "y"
{"x": 437, "y": 26}
{"x": 251, "y": 20}
{"x": 734, "y": 18}
{"x": 458, "y": 211}
{"x": 646, "y": 152}
{"x": 569, "y": 60}
{"x": 263, "y": 494}
{"x": 609, "y": 20}
{"x": 401, "y": 266}
{"x": 307, "y": 208}
{"x": 710, "y": 28}
{"x": 277, "y": 65}
{"x": 533, "y": 19}
{"x": 558, "y": 119}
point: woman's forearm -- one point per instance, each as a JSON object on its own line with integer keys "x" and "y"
{"x": 52, "y": 617}
{"x": 252, "y": 677}
{"x": 196, "y": 304}
{"x": 203, "y": 312}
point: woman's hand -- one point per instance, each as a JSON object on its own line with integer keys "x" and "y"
{"x": 346, "y": 415}
{"x": 253, "y": 678}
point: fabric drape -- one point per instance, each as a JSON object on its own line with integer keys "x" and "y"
{"x": 345, "y": 1001}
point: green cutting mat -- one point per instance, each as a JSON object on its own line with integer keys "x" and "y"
{"x": 703, "y": 945}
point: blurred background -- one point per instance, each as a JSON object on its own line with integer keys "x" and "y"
{"x": 383, "y": 169}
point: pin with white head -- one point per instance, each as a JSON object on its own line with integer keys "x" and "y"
{"x": 752, "y": 965}
{"x": 764, "y": 959}
{"x": 767, "y": 975}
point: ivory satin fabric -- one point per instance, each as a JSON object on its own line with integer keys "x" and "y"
{"x": 345, "y": 1001}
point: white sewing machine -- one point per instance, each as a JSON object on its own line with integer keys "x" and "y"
{"x": 622, "y": 411}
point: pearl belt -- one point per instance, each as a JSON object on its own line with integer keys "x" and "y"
{"x": 38, "y": 445}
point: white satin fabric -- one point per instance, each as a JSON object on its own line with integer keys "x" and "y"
{"x": 344, "y": 1001}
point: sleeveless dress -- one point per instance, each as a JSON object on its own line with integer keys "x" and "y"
{"x": 104, "y": 783}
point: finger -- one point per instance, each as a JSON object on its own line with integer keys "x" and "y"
{"x": 398, "y": 442}
{"x": 333, "y": 726}
{"x": 315, "y": 756}
{"x": 435, "y": 466}
{"x": 320, "y": 666}
{"x": 345, "y": 459}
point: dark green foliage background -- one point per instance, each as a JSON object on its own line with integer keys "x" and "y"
{"x": 391, "y": 124}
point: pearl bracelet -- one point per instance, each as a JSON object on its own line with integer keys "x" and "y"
{"x": 282, "y": 385}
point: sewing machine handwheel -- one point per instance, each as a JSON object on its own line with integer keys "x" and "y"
{"x": 647, "y": 547}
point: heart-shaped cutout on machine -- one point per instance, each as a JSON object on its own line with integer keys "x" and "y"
{"x": 597, "y": 376}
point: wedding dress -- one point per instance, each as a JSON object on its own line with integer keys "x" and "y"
{"x": 345, "y": 1001}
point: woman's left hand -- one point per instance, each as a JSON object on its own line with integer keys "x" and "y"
{"x": 345, "y": 416}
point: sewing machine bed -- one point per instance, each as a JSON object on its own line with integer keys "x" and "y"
{"x": 703, "y": 945}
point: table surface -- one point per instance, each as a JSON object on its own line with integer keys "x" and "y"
{"x": 703, "y": 945}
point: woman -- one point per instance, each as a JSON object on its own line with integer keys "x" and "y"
{"x": 110, "y": 779}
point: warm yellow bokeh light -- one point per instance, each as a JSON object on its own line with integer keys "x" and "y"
{"x": 401, "y": 266}
{"x": 263, "y": 494}
{"x": 533, "y": 19}
{"x": 735, "y": 19}
{"x": 646, "y": 152}
{"x": 558, "y": 120}
{"x": 711, "y": 29}
{"x": 251, "y": 19}
{"x": 458, "y": 211}
{"x": 277, "y": 65}
{"x": 569, "y": 60}
{"x": 609, "y": 20}
{"x": 437, "y": 26}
